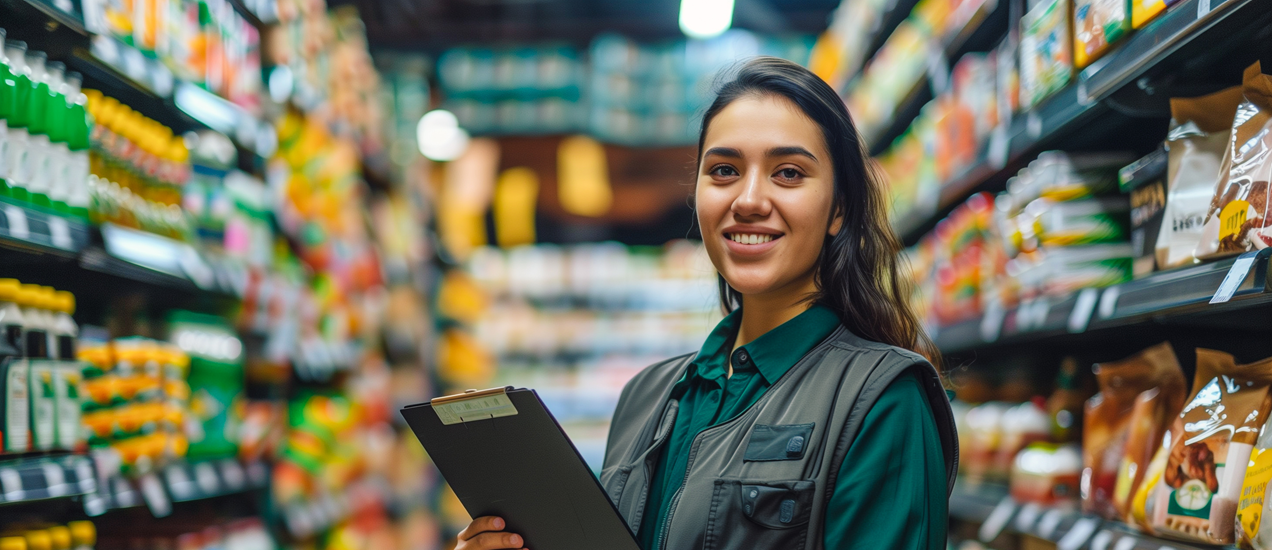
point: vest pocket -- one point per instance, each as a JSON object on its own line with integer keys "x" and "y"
{"x": 759, "y": 514}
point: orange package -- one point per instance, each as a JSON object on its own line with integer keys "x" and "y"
{"x": 1108, "y": 427}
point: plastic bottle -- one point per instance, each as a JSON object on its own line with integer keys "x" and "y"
{"x": 11, "y": 323}
{"x": 44, "y": 374}
{"x": 48, "y": 113}
{"x": 69, "y": 374}
{"x": 14, "y": 374}
{"x": 36, "y": 321}
{"x": 15, "y": 127}
{"x": 6, "y": 98}
{"x": 83, "y": 535}
{"x": 59, "y": 154}
{"x": 78, "y": 128}
{"x": 39, "y": 539}
{"x": 24, "y": 117}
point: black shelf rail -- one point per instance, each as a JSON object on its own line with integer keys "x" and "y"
{"x": 989, "y": 506}
{"x": 1162, "y": 296}
{"x": 176, "y": 483}
{"x": 1081, "y": 107}
{"x": 29, "y": 479}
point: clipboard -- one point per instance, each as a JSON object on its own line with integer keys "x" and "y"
{"x": 505, "y": 455}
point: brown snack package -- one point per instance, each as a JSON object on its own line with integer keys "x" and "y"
{"x": 1200, "y": 128}
{"x": 1196, "y": 498}
{"x": 1154, "y": 411}
{"x": 1107, "y": 420}
{"x": 1239, "y": 220}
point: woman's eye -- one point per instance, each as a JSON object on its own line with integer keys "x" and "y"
{"x": 724, "y": 171}
{"x": 788, "y": 174}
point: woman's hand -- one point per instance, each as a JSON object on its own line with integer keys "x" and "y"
{"x": 486, "y": 533}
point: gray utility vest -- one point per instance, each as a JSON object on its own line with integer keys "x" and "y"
{"x": 762, "y": 479}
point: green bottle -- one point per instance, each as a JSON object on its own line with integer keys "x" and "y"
{"x": 28, "y": 72}
{"x": 77, "y": 135}
{"x": 43, "y": 103}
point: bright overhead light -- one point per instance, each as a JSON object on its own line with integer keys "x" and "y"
{"x": 440, "y": 137}
{"x": 705, "y": 18}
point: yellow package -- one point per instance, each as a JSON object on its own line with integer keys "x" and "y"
{"x": 1251, "y": 533}
{"x": 1143, "y": 11}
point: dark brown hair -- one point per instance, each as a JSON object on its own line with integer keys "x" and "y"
{"x": 858, "y": 270}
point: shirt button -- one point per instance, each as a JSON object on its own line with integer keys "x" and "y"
{"x": 743, "y": 357}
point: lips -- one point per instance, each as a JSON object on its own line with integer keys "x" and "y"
{"x": 751, "y": 241}
{"x": 751, "y": 238}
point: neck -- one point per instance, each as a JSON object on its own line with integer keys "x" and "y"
{"x": 764, "y": 312}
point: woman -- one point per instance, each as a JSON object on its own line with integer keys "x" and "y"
{"x": 807, "y": 419}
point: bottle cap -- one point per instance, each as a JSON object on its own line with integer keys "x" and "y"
{"x": 48, "y": 298}
{"x": 9, "y": 289}
{"x": 61, "y": 536}
{"x": 39, "y": 539}
{"x": 83, "y": 533}
{"x": 28, "y": 295}
{"x": 65, "y": 302}
{"x": 13, "y": 543}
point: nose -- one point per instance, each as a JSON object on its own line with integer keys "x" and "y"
{"x": 753, "y": 200}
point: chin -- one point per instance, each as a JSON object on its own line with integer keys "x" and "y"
{"x": 751, "y": 284}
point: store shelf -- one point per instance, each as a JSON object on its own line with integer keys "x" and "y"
{"x": 156, "y": 260}
{"x": 177, "y": 483}
{"x": 32, "y": 479}
{"x": 1162, "y": 296}
{"x": 304, "y": 519}
{"x": 989, "y": 506}
{"x": 28, "y": 228}
{"x": 1082, "y": 106}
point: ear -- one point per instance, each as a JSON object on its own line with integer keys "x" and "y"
{"x": 836, "y": 223}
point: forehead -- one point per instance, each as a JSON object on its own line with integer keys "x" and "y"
{"x": 759, "y": 122}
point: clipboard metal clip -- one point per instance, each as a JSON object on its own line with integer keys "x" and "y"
{"x": 473, "y": 405}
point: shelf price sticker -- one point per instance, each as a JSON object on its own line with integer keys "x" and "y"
{"x": 1125, "y": 543}
{"x": 233, "y": 474}
{"x": 1027, "y": 517}
{"x": 1080, "y": 317}
{"x": 997, "y": 520}
{"x": 1236, "y": 275}
{"x": 991, "y": 326}
{"x": 179, "y": 483}
{"x": 11, "y": 485}
{"x": 205, "y": 477}
{"x": 1049, "y": 522}
{"x": 1100, "y": 541}
{"x": 55, "y": 479}
{"x": 154, "y": 495}
{"x": 18, "y": 227}
{"x": 60, "y": 233}
{"x": 1079, "y": 534}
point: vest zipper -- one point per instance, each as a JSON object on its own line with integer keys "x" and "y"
{"x": 675, "y": 499}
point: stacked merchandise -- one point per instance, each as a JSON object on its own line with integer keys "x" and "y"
{"x": 1055, "y": 230}
{"x": 635, "y": 94}
{"x": 41, "y": 380}
{"x": 77, "y": 535}
{"x": 44, "y": 132}
{"x": 204, "y": 42}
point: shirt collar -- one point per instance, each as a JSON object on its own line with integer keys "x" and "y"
{"x": 772, "y": 354}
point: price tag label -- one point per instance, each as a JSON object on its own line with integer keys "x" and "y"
{"x": 991, "y": 326}
{"x": 1080, "y": 317}
{"x": 179, "y": 483}
{"x": 1108, "y": 301}
{"x": 1236, "y": 275}
{"x": 1033, "y": 124}
{"x": 134, "y": 64}
{"x": 1027, "y": 517}
{"x": 938, "y": 68}
{"x": 55, "y": 479}
{"x": 156, "y": 498}
{"x": 65, "y": 5}
{"x": 84, "y": 476}
{"x": 60, "y": 233}
{"x": 233, "y": 475}
{"x": 997, "y": 520}
{"x": 11, "y": 484}
{"x": 1125, "y": 543}
{"x": 1079, "y": 534}
{"x": 999, "y": 147}
{"x": 106, "y": 49}
{"x": 94, "y": 505}
{"x": 1049, "y": 522}
{"x": 1101, "y": 540}
{"x": 1203, "y": 8}
{"x": 205, "y": 476}
{"x": 18, "y": 227}
{"x": 257, "y": 473}
{"x": 125, "y": 496}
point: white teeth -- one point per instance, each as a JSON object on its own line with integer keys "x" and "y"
{"x": 745, "y": 238}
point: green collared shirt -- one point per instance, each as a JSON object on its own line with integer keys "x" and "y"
{"x": 891, "y": 488}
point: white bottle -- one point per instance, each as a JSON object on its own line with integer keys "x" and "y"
{"x": 41, "y": 148}
{"x": 69, "y": 376}
{"x": 15, "y": 56}
{"x": 37, "y": 321}
{"x": 77, "y": 167}
{"x": 11, "y": 323}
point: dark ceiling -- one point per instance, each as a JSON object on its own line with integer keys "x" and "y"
{"x": 433, "y": 25}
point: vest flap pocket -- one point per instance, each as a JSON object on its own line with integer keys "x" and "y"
{"x": 778, "y": 442}
{"x": 777, "y": 505}
{"x": 748, "y": 514}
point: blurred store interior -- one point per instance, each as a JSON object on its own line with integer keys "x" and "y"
{"x": 237, "y": 236}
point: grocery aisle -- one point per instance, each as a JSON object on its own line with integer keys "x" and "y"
{"x": 237, "y": 236}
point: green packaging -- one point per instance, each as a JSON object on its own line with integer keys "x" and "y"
{"x": 17, "y": 405}
{"x": 43, "y": 404}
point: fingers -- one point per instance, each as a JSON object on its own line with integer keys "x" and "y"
{"x": 482, "y": 525}
{"x": 494, "y": 540}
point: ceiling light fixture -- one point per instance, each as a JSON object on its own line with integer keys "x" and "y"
{"x": 705, "y": 18}
{"x": 439, "y": 136}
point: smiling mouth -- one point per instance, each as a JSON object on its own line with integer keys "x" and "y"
{"x": 751, "y": 238}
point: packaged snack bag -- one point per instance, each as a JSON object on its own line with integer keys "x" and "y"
{"x": 1154, "y": 411}
{"x": 1143, "y": 11}
{"x": 1144, "y": 503}
{"x": 1238, "y": 220}
{"x": 1198, "y": 493}
{"x": 1096, "y": 25}
{"x": 1252, "y": 533}
{"x": 1200, "y": 128}
{"x": 1107, "y": 422}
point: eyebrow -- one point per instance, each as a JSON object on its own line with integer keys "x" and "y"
{"x": 723, "y": 152}
{"x": 790, "y": 150}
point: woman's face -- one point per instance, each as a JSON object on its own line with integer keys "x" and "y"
{"x": 764, "y": 195}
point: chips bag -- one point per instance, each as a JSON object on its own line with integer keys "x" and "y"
{"x": 1197, "y": 495}
{"x": 1107, "y": 421}
{"x": 1239, "y": 219}
{"x": 1154, "y": 411}
{"x": 1251, "y": 532}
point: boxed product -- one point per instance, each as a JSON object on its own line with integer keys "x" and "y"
{"x": 1089, "y": 221}
{"x": 1145, "y": 181}
{"x": 1046, "y": 51}
{"x": 1046, "y": 474}
{"x": 1198, "y": 137}
{"x": 1238, "y": 219}
{"x": 1197, "y": 497}
{"x": 1143, "y": 11}
{"x": 1072, "y": 268}
{"x": 1097, "y": 24}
